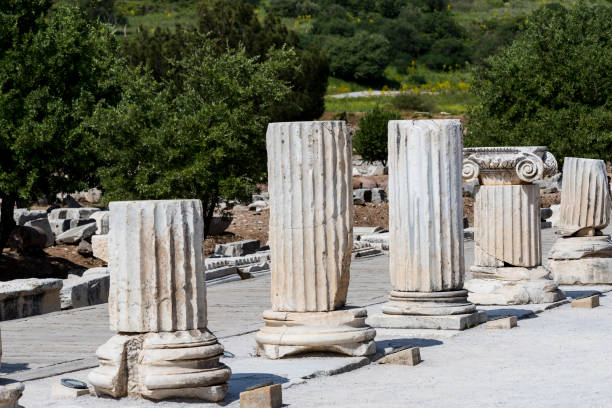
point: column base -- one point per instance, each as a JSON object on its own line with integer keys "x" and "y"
{"x": 181, "y": 364}
{"x": 428, "y": 310}
{"x": 339, "y": 331}
{"x": 582, "y": 260}
{"x": 512, "y": 286}
{"x": 10, "y": 392}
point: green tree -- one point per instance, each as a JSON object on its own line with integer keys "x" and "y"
{"x": 199, "y": 133}
{"x": 55, "y": 66}
{"x": 551, "y": 87}
{"x": 362, "y": 58}
{"x": 370, "y": 140}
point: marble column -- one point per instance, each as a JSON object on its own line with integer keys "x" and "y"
{"x": 157, "y": 304}
{"x": 583, "y": 253}
{"x": 426, "y": 228}
{"x": 507, "y": 249}
{"x": 311, "y": 228}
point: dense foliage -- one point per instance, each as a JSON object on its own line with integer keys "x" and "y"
{"x": 551, "y": 87}
{"x": 199, "y": 132}
{"x": 54, "y": 68}
{"x": 233, "y": 24}
{"x": 370, "y": 140}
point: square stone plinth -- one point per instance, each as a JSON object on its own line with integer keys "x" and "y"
{"x": 270, "y": 396}
{"x": 445, "y": 322}
{"x": 503, "y": 323}
{"x": 587, "y": 302}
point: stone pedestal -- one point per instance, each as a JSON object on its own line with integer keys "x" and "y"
{"x": 311, "y": 228}
{"x": 507, "y": 250}
{"x": 426, "y": 228}
{"x": 583, "y": 255}
{"x": 157, "y": 303}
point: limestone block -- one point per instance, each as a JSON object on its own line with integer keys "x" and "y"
{"x": 363, "y": 194}
{"x": 96, "y": 271}
{"x": 155, "y": 250}
{"x": 311, "y": 214}
{"x": 507, "y": 225}
{"x": 23, "y": 215}
{"x": 238, "y": 248}
{"x": 43, "y": 225}
{"x": 75, "y": 235}
{"x": 379, "y": 195}
{"x": 85, "y": 291}
{"x": 587, "y": 302}
{"x": 99, "y": 246}
{"x": 433, "y": 322}
{"x": 409, "y": 356}
{"x": 425, "y": 205}
{"x": 582, "y": 260}
{"x": 503, "y": 323}
{"x": 584, "y": 271}
{"x": 358, "y": 232}
{"x": 270, "y": 396}
{"x": 28, "y": 297}
{"x": 585, "y": 199}
{"x": 102, "y": 223}
{"x": 258, "y": 205}
{"x": 72, "y": 213}
{"x": 556, "y": 212}
{"x": 10, "y": 392}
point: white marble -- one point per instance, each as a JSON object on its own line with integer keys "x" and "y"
{"x": 311, "y": 234}
{"x": 507, "y": 249}
{"x": 157, "y": 303}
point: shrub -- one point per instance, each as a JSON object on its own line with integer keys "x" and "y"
{"x": 550, "y": 87}
{"x": 370, "y": 141}
{"x": 362, "y": 58}
{"x": 413, "y": 102}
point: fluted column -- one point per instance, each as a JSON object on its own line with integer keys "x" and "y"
{"x": 585, "y": 197}
{"x": 311, "y": 228}
{"x": 157, "y": 283}
{"x": 507, "y": 249}
{"x": 425, "y": 227}
{"x": 425, "y": 206}
{"x": 583, "y": 254}
{"x": 157, "y": 303}
{"x": 311, "y": 214}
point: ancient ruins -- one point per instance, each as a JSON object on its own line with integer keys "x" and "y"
{"x": 157, "y": 305}
{"x": 311, "y": 238}
{"x": 583, "y": 254}
{"x": 425, "y": 228}
{"x": 508, "y": 256}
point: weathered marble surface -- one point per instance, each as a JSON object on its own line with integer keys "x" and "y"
{"x": 156, "y": 262}
{"x": 507, "y": 250}
{"x": 157, "y": 303}
{"x": 426, "y": 228}
{"x": 311, "y": 239}
{"x": 10, "y": 390}
{"x": 582, "y": 255}
{"x": 585, "y": 198}
{"x": 425, "y": 205}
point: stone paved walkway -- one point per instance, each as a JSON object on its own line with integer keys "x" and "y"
{"x": 40, "y": 346}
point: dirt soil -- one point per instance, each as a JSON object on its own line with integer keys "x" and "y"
{"x": 57, "y": 262}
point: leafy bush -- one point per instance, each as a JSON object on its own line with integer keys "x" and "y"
{"x": 551, "y": 87}
{"x": 55, "y": 66}
{"x": 199, "y": 133}
{"x": 447, "y": 52}
{"x": 370, "y": 140}
{"x": 413, "y": 102}
{"x": 362, "y": 58}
